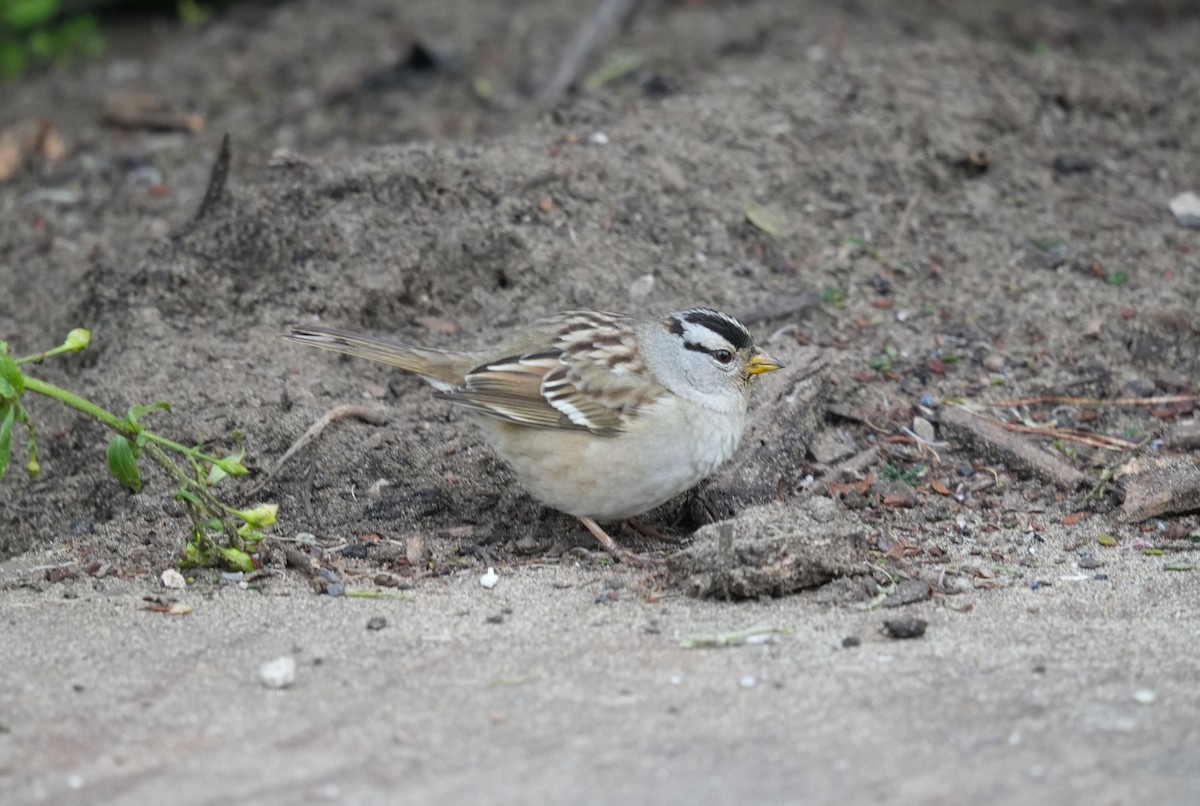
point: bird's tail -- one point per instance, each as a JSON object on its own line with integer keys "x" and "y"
{"x": 433, "y": 365}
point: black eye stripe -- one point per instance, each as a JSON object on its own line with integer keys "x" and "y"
{"x": 717, "y": 353}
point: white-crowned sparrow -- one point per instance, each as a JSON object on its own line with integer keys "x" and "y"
{"x": 601, "y": 415}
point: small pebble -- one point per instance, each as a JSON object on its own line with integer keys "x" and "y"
{"x": 851, "y": 641}
{"x": 905, "y": 627}
{"x": 599, "y": 139}
{"x": 278, "y": 673}
{"x": 748, "y": 681}
{"x": 173, "y": 579}
{"x": 1186, "y": 209}
{"x": 1144, "y": 696}
{"x": 642, "y": 286}
{"x": 489, "y": 579}
{"x": 1067, "y": 164}
{"x": 376, "y": 623}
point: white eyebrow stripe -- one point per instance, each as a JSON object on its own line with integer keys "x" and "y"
{"x": 703, "y": 337}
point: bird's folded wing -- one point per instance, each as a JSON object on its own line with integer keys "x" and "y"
{"x": 548, "y": 390}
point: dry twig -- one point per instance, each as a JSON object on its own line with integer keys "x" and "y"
{"x": 372, "y": 416}
{"x": 608, "y": 18}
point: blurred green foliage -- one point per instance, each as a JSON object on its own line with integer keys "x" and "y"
{"x": 33, "y": 32}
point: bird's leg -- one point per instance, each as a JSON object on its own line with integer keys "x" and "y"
{"x": 650, "y": 532}
{"x": 618, "y": 553}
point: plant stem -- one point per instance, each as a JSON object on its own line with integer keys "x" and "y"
{"x": 108, "y": 418}
{"x": 76, "y": 402}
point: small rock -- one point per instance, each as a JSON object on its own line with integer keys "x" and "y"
{"x": 907, "y": 592}
{"x": 905, "y": 627}
{"x": 1186, "y": 209}
{"x": 641, "y": 287}
{"x": 278, "y": 673}
{"x": 1144, "y": 696}
{"x": 851, "y": 641}
{"x": 1067, "y": 164}
{"x": 528, "y": 545}
{"x": 1089, "y": 561}
{"x": 748, "y": 681}
{"x": 416, "y": 550}
{"x": 436, "y": 324}
{"x": 173, "y": 579}
{"x": 386, "y": 580}
{"x": 489, "y": 579}
{"x": 598, "y": 139}
{"x": 821, "y": 509}
{"x": 670, "y": 174}
{"x": 376, "y": 623}
{"x": 828, "y": 447}
{"x": 923, "y": 429}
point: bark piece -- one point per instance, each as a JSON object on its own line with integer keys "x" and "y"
{"x": 987, "y": 437}
{"x": 1158, "y": 485}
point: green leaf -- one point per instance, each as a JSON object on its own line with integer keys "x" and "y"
{"x": 1116, "y": 278}
{"x": 27, "y": 13}
{"x": 13, "y": 60}
{"x": 12, "y": 382}
{"x": 122, "y": 463}
{"x": 7, "y": 415}
{"x": 192, "y": 12}
{"x": 135, "y": 413}
{"x": 215, "y": 476}
{"x": 237, "y": 559}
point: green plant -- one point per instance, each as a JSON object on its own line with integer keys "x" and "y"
{"x": 219, "y": 533}
{"x": 32, "y": 32}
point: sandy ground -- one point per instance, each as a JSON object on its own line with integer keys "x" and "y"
{"x": 978, "y": 198}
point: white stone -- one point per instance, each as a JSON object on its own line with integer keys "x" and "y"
{"x": 278, "y": 673}
{"x": 1186, "y": 209}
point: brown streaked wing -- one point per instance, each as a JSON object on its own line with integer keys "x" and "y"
{"x": 511, "y": 389}
{"x": 582, "y": 385}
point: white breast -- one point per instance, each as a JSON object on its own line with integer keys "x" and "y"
{"x": 668, "y": 449}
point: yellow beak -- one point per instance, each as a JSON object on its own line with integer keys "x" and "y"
{"x": 762, "y": 362}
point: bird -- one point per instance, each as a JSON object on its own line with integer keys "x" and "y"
{"x": 601, "y": 415}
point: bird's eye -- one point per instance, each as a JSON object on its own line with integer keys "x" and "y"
{"x": 723, "y": 356}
